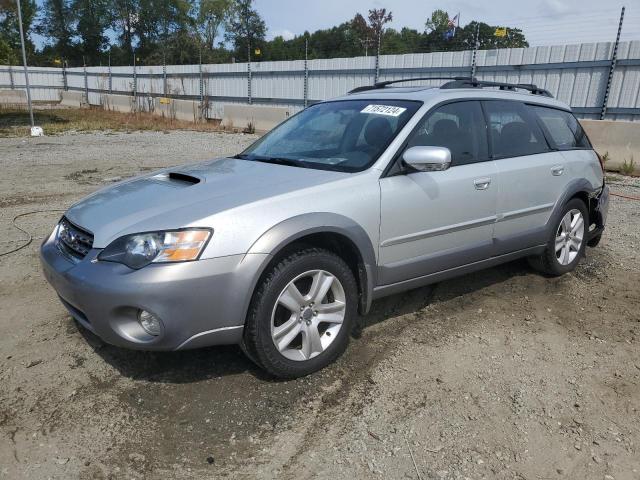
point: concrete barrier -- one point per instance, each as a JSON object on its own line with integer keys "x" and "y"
{"x": 620, "y": 139}
{"x": 118, "y": 103}
{"x": 261, "y": 118}
{"x": 13, "y": 97}
{"x": 185, "y": 110}
{"x": 73, "y": 99}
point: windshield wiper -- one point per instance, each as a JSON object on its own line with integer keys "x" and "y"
{"x": 276, "y": 160}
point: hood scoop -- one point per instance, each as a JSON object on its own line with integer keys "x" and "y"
{"x": 177, "y": 179}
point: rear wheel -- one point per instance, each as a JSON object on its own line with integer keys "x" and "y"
{"x": 302, "y": 313}
{"x": 566, "y": 246}
{"x": 595, "y": 241}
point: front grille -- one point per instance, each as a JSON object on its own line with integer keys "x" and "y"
{"x": 73, "y": 240}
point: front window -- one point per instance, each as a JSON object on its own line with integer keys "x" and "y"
{"x": 347, "y": 135}
{"x": 458, "y": 126}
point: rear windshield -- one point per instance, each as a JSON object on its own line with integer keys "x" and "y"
{"x": 347, "y": 135}
{"x": 562, "y": 127}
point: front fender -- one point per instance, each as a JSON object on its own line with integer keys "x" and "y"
{"x": 284, "y": 233}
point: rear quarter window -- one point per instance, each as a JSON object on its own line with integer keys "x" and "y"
{"x": 561, "y": 127}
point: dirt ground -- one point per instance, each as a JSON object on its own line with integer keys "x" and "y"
{"x": 503, "y": 374}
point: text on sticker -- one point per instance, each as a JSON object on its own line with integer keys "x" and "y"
{"x": 389, "y": 110}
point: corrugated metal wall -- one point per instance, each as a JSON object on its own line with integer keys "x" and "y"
{"x": 576, "y": 74}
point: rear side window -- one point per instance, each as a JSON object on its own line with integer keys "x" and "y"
{"x": 513, "y": 130}
{"x": 458, "y": 126}
{"x": 562, "y": 128}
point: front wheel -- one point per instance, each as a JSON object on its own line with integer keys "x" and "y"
{"x": 301, "y": 314}
{"x": 566, "y": 246}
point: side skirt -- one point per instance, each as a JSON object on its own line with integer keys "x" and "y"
{"x": 393, "y": 288}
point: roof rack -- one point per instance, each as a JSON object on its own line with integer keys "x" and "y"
{"x": 379, "y": 85}
{"x": 472, "y": 82}
{"x": 461, "y": 82}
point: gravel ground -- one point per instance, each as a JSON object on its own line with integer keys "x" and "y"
{"x": 499, "y": 374}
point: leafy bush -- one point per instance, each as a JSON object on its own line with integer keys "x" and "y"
{"x": 628, "y": 167}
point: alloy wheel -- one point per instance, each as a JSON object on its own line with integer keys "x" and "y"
{"x": 569, "y": 237}
{"x": 308, "y": 315}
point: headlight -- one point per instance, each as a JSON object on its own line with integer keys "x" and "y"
{"x": 141, "y": 249}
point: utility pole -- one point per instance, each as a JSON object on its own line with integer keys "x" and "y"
{"x": 135, "y": 84}
{"x": 201, "y": 84}
{"x": 378, "y": 56}
{"x": 249, "y": 72}
{"x": 86, "y": 81}
{"x": 65, "y": 83}
{"x": 612, "y": 67}
{"x": 475, "y": 51}
{"x": 246, "y": 27}
{"x": 306, "y": 72}
{"x": 164, "y": 74}
{"x": 110, "y": 76}
{"x": 11, "y": 82}
{"x": 26, "y": 70}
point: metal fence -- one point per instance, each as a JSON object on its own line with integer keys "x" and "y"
{"x": 588, "y": 76}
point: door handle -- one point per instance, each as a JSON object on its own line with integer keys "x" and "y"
{"x": 482, "y": 183}
{"x": 557, "y": 170}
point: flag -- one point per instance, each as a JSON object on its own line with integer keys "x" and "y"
{"x": 500, "y": 32}
{"x": 451, "y": 27}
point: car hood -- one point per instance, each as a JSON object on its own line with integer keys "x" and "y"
{"x": 161, "y": 200}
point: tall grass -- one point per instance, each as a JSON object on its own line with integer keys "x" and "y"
{"x": 14, "y": 122}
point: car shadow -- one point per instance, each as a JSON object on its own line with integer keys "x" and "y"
{"x": 186, "y": 366}
{"x": 191, "y": 366}
{"x": 415, "y": 300}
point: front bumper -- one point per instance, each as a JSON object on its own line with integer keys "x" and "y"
{"x": 200, "y": 303}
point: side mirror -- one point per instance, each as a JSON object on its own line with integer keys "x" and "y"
{"x": 428, "y": 159}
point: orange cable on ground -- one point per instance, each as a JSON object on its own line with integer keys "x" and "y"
{"x": 624, "y": 196}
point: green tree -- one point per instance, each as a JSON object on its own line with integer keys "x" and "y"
{"x": 363, "y": 32}
{"x": 378, "y": 18}
{"x": 158, "y": 21}
{"x": 406, "y": 40}
{"x": 212, "y": 15}
{"x": 93, "y": 19}
{"x": 7, "y": 55}
{"x": 245, "y": 28}
{"x": 438, "y": 22}
{"x": 123, "y": 17}
{"x": 487, "y": 38}
{"x": 10, "y": 31}
{"x": 57, "y": 24}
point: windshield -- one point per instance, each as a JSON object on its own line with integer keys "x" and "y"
{"x": 347, "y": 135}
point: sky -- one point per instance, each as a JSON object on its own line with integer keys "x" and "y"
{"x": 544, "y": 22}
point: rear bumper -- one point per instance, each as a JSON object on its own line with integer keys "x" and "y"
{"x": 599, "y": 211}
{"x": 200, "y": 303}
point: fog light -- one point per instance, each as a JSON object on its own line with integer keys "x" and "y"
{"x": 149, "y": 322}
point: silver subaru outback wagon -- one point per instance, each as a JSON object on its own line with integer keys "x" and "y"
{"x": 280, "y": 247}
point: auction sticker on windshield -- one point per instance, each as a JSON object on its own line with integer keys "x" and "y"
{"x": 388, "y": 110}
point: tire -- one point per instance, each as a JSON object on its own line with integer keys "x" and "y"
{"x": 556, "y": 260}
{"x": 595, "y": 241}
{"x": 290, "y": 307}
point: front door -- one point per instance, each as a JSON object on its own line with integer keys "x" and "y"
{"x": 434, "y": 221}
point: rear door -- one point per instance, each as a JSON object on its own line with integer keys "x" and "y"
{"x": 433, "y": 221}
{"x": 566, "y": 135}
{"x": 531, "y": 175}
